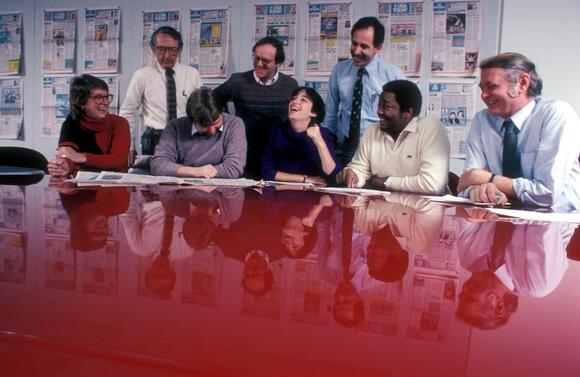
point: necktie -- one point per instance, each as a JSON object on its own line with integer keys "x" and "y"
{"x": 501, "y": 238}
{"x": 511, "y": 157}
{"x": 354, "y": 127}
{"x": 167, "y": 235}
{"x": 347, "y": 224}
{"x": 171, "y": 99}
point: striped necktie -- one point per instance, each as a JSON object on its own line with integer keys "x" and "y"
{"x": 171, "y": 94}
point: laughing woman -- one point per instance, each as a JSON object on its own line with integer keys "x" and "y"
{"x": 91, "y": 138}
{"x": 301, "y": 150}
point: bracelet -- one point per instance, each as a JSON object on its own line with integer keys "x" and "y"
{"x": 491, "y": 179}
{"x": 304, "y": 179}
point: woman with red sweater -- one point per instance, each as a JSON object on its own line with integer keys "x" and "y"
{"x": 91, "y": 138}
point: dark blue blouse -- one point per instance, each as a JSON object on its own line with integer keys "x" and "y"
{"x": 294, "y": 152}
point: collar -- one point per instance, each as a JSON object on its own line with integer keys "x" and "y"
{"x": 195, "y": 132}
{"x": 518, "y": 118}
{"x": 269, "y": 82}
{"x": 411, "y": 127}
{"x": 162, "y": 70}
{"x": 371, "y": 67}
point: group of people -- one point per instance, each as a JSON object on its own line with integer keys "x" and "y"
{"x": 521, "y": 148}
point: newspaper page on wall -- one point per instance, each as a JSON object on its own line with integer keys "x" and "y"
{"x": 59, "y": 41}
{"x": 320, "y": 86}
{"x": 102, "y": 40}
{"x": 10, "y": 107}
{"x": 55, "y": 104}
{"x": 454, "y": 105}
{"x": 209, "y": 33}
{"x": 153, "y": 20}
{"x": 10, "y": 43}
{"x": 327, "y": 36}
{"x": 403, "y": 23}
{"x": 455, "y": 38}
{"x": 279, "y": 21}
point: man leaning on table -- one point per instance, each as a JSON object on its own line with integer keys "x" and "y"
{"x": 206, "y": 143}
{"x": 403, "y": 151}
{"x": 522, "y": 146}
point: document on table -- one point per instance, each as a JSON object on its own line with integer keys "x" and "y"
{"x": 538, "y": 216}
{"x": 350, "y": 191}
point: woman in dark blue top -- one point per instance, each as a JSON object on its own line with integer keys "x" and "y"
{"x": 300, "y": 150}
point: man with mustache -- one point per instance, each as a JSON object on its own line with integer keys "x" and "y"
{"x": 522, "y": 147}
{"x": 348, "y": 115}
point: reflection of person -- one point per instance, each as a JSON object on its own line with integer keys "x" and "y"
{"x": 367, "y": 37}
{"x": 260, "y": 97}
{"x": 300, "y": 150}
{"x": 507, "y": 260}
{"x": 147, "y": 90}
{"x": 403, "y": 152}
{"x": 205, "y": 143}
{"x": 91, "y": 138}
{"x": 538, "y": 164}
{"x": 89, "y": 211}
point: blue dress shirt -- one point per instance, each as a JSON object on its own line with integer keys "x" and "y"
{"x": 549, "y": 145}
{"x": 341, "y": 88}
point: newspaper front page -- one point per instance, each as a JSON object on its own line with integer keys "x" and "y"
{"x": 327, "y": 36}
{"x": 59, "y": 41}
{"x": 102, "y": 40}
{"x": 455, "y": 37}
{"x": 10, "y": 43}
{"x": 403, "y": 23}
{"x": 278, "y": 21}
{"x": 454, "y": 105}
{"x": 209, "y": 41}
{"x": 10, "y": 107}
{"x": 55, "y": 104}
{"x": 153, "y": 20}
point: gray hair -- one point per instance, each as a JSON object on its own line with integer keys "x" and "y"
{"x": 515, "y": 63}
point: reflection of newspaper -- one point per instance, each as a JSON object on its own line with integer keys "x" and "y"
{"x": 432, "y": 306}
{"x": 311, "y": 295}
{"x": 201, "y": 278}
{"x": 454, "y": 105}
{"x": 55, "y": 104}
{"x": 12, "y": 255}
{"x": 208, "y": 41}
{"x": 10, "y": 43}
{"x": 320, "y": 86}
{"x": 441, "y": 258}
{"x": 456, "y": 32}
{"x": 59, "y": 264}
{"x": 102, "y": 40}
{"x": 384, "y": 308}
{"x": 99, "y": 269}
{"x": 403, "y": 23}
{"x": 151, "y": 22}
{"x": 278, "y": 21}
{"x": 10, "y": 107}
{"x": 327, "y": 36}
{"x": 58, "y": 43}
{"x": 11, "y": 208}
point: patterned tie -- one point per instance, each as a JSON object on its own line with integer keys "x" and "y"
{"x": 511, "y": 157}
{"x": 502, "y": 236}
{"x": 168, "y": 221}
{"x": 354, "y": 130}
{"x": 347, "y": 225}
{"x": 171, "y": 97}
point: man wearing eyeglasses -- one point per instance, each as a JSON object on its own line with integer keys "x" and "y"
{"x": 403, "y": 151}
{"x": 260, "y": 97}
{"x": 159, "y": 90}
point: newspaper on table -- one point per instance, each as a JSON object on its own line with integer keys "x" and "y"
{"x": 55, "y": 104}
{"x": 278, "y": 21}
{"x": 327, "y": 36}
{"x": 10, "y": 107}
{"x": 102, "y": 40}
{"x": 59, "y": 41}
{"x": 403, "y": 23}
{"x": 10, "y": 43}
{"x": 153, "y": 20}
{"x": 455, "y": 38}
{"x": 454, "y": 105}
{"x": 320, "y": 86}
{"x": 209, "y": 41}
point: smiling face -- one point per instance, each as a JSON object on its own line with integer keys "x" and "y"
{"x": 293, "y": 235}
{"x": 300, "y": 108}
{"x": 166, "y": 50}
{"x": 391, "y": 119}
{"x": 264, "y": 60}
{"x": 97, "y": 106}
{"x": 502, "y": 97}
{"x": 362, "y": 49}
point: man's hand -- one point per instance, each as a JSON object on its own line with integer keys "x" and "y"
{"x": 62, "y": 186}
{"x": 58, "y": 168}
{"x": 206, "y": 171}
{"x": 487, "y": 193}
{"x": 71, "y": 154}
{"x": 376, "y": 182}
{"x": 473, "y": 177}
{"x": 347, "y": 177}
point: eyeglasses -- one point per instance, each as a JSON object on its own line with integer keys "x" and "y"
{"x": 101, "y": 99}
{"x": 162, "y": 50}
{"x": 264, "y": 61}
